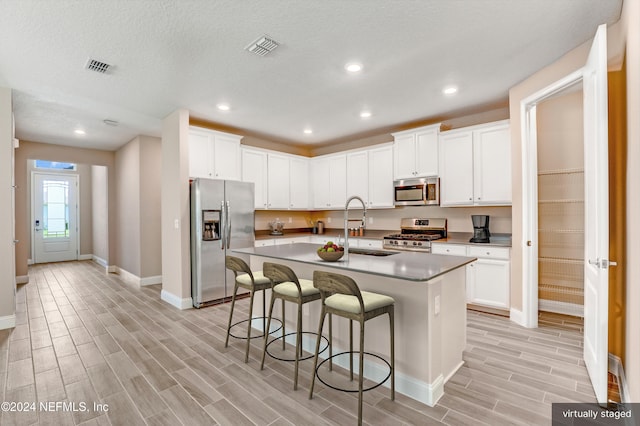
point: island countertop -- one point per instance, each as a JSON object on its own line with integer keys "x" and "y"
{"x": 411, "y": 266}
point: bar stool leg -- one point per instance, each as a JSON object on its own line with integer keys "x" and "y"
{"x": 330, "y": 343}
{"x": 298, "y": 346}
{"x": 361, "y": 373}
{"x": 266, "y": 335}
{"x": 233, "y": 303}
{"x": 351, "y": 349}
{"x": 283, "y": 326}
{"x": 393, "y": 357}
{"x": 246, "y": 354}
{"x": 315, "y": 357}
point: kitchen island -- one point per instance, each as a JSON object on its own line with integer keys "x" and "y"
{"x": 430, "y": 311}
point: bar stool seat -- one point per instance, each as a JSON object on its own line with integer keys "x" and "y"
{"x": 252, "y": 281}
{"x": 343, "y": 302}
{"x": 290, "y": 289}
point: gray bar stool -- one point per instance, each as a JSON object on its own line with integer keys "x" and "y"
{"x": 252, "y": 281}
{"x": 287, "y": 287}
{"x": 341, "y": 296}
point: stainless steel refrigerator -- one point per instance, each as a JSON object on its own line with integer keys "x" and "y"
{"x": 222, "y": 218}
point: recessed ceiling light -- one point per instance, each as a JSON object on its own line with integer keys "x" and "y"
{"x": 223, "y": 107}
{"x": 307, "y": 131}
{"x": 365, "y": 114}
{"x": 79, "y": 132}
{"x": 353, "y": 67}
{"x": 450, "y": 90}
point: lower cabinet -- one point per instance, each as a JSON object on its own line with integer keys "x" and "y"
{"x": 488, "y": 278}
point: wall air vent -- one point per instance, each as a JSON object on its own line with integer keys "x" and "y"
{"x": 262, "y": 46}
{"x": 97, "y": 66}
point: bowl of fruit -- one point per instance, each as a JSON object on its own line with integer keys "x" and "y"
{"x": 330, "y": 252}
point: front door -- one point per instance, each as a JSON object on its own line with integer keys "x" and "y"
{"x": 596, "y": 175}
{"x": 55, "y": 213}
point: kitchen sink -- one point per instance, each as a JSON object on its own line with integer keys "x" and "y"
{"x": 368, "y": 252}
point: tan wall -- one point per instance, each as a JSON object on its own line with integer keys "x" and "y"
{"x": 100, "y": 206}
{"x": 150, "y": 205}
{"x": 560, "y": 132}
{"x": 630, "y": 19}
{"x": 43, "y": 151}
{"x": 7, "y": 264}
{"x": 128, "y": 207}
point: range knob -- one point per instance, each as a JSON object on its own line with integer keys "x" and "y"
{"x": 405, "y": 243}
{"x": 415, "y": 243}
{"x": 419, "y": 244}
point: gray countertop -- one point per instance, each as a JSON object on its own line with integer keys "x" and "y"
{"x": 411, "y": 266}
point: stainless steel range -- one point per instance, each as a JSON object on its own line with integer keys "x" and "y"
{"x": 416, "y": 235}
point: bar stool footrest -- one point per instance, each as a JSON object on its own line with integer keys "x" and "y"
{"x": 277, "y": 339}
{"x": 260, "y": 336}
{"x": 353, "y": 390}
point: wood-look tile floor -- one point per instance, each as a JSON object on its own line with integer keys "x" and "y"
{"x": 85, "y": 337}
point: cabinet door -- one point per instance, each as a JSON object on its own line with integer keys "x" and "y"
{"x": 226, "y": 157}
{"x": 370, "y": 244}
{"x": 492, "y": 165}
{"x": 380, "y": 177}
{"x": 254, "y": 169}
{"x": 404, "y": 157}
{"x": 357, "y": 175}
{"x": 278, "y": 181}
{"x": 200, "y": 155}
{"x": 337, "y": 181}
{"x": 456, "y": 169}
{"x": 264, "y": 243}
{"x": 298, "y": 183}
{"x": 426, "y": 154}
{"x": 320, "y": 182}
{"x": 488, "y": 283}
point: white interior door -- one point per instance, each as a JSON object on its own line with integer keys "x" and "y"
{"x": 596, "y": 275}
{"x": 55, "y": 214}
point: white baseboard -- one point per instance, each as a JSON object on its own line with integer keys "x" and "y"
{"x": 29, "y": 261}
{"x": 85, "y": 257}
{"x": 427, "y": 393}
{"x": 22, "y": 279}
{"x": 100, "y": 261}
{"x": 172, "y": 299}
{"x": 561, "y": 307}
{"x": 112, "y": 269}
{"x": 157, "y": 279}
{"x": 517, "y": 317}
{"x": 8, "y": 321}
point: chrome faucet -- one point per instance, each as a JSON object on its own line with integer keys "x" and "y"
{"x": 346, "y": 220}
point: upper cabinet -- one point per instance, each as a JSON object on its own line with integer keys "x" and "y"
{"x": 281, "y": 180}
{"x": 475, "y": 165}
{"x": 370, "y": 176}
{"x": 415, "y": 152}
{"x": 213, "y": 154}
{"x": 329, "y": 181}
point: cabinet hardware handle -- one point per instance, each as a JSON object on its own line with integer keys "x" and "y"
{"x": 488, "y": 252}
{"x": 470, "y": 198}
{"x": 529, "y": 243}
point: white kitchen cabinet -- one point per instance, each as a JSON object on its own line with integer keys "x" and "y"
{"x": 415, "y": 152}
{"x": 370, "y": 176}
{"x": 329, "y": 175}
{"x": 254, "y": 169}
{"x": 213, "y": 154}
{"x": 278, "y": 181}
{"x": 298, "y": 183}
{"x": 292, "y": 240}
{"x": 264, "y": 243}
{"x": 488, "y": 278}
{"x": 475, "y": 165}
{"x": 370, "y": 244}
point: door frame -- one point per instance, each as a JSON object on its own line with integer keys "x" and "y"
{"x": 530, "y": 193}
{"x": 33, "y": 213}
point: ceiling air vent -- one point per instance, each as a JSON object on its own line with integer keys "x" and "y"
{"x": 262, "y": 46}
{"x": 97, "y": 66}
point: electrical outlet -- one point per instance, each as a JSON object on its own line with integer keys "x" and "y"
{"x": 176, "y": 223}
{"x": 370, "y": 220}
{"x": 436, "y": 305}
{"x": 290, "y": 220}
{"x": 328, "y": 220}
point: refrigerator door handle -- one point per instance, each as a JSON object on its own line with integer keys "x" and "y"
{"x": 223, "y": 223}
{"x": 228, "y": 226}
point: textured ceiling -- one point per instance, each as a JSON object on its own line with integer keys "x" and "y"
{"x": 190, "y": 54}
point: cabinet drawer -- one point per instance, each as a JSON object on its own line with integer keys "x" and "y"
{"x": 450, "y": 249}
{"x": 489, "y": 252}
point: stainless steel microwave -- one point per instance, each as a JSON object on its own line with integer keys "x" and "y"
{"x": 417, "y": 192}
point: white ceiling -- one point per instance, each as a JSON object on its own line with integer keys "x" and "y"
{"x": 171, "y": 54}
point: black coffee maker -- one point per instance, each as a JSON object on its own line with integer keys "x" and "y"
{"x": 481, "y": 232}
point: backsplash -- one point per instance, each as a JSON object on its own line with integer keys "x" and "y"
{"x": 458, "y": 218}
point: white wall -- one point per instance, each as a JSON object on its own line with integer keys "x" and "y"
{"x": 100, "y": 206}
{"x": 7, "y": 247}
